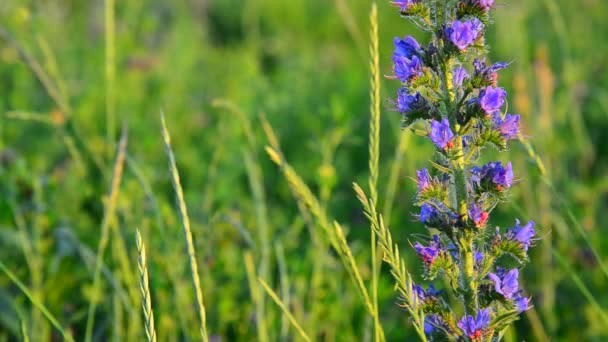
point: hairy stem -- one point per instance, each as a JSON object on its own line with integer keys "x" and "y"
{"x": 460, "y": 191}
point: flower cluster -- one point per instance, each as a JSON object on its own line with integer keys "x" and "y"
{"x": 448, "y": 87}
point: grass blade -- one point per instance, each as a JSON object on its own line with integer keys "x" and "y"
{"x": 39, "y": 306}
{"x": 374, "y": 157}
{"x": 286, "y": 312}
{"x": 185, "y": 220}
{"x": 106, "y": 225}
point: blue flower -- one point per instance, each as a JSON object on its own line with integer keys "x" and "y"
{"x": 430, "y": 253}
{"x": 478, "y": 257}
{"x": 508, "y": 127}
{"x": 506, "y": 284}
{"x": 424, "y": 179}
{"x": 407, "y": 101}
{"x": 459, "y": 75}
{"x": 431, "y": 322}
{"x": 485, "y": 4}
{"x": 474, "y": 327}
{"x": 427, "y": 213}
{"x": 423, "y": 295}
{"x": 404, "y": 4}
{"x": 407, "y": 68}
{"x": 407, "y": 47}
{"x": 441, "y": 134}
{"x": 489, "y": 75}
{"x": 492, "y": 99}
{"x": 406, "y": 62}
{"x": 464, "y": 34}
{"x": 523, "y": 234}
{"x": 501, "y": 177}
{"x": 477, "y": 215}
{"x": 521, "y": 303}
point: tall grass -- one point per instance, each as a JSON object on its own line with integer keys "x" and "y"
{"x": 185, "y": 220}
{"x": 284, "y": 251}
{"x": 107, "y": 224}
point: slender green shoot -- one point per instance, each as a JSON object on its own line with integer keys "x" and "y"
{"x": 581, "y": 286}
{"x": 374, "y": 157}
{"x": 106, "y": 225}
{"x": 404, "y": 282}
{"x": 255, "y": 295}
{"x": 66, "y": 336}
{"x": 185, "y": 220}
{"x": 283, "y": 307}
{"x": 110, "y": 70}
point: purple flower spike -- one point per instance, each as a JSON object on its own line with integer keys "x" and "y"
{"x": 509, "y": 127}
{"x": 424, "y": 179}
{"x": 485, "y": 4}
{"x": 464, "y": 34}
{"x": 428, "y": 254}
{"x": 523, "y": 234}
{"x": 405, "y": 68}
{"x": 492, "y": 99}
{"x": 507, "y": 284}
{"x": 407, "y": 47}
{"x": 474, "y": 327}
{"x": 459, "y": 75}
{"x": 441, "y": 134}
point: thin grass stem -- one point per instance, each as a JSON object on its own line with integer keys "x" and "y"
{"x": 283, "y": 307}
{"x": 106, "y": 225}
{"x": 185, "y": 220}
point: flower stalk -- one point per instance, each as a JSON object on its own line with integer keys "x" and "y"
{"x": 447, "y": 87}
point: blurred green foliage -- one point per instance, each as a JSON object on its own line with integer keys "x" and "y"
{"x": 212, "y": 66}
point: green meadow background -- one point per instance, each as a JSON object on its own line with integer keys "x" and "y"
{"x": 70, "y": 86}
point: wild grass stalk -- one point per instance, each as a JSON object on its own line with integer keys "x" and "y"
{"x": 285, "y": 286}
{"x": 75, "y": 145}
{"x": 185, "y": 220}
{"x": 285, "y": 310}
{"x": 40, "y": 306}
{"x": 144, "y": 287}
{"x": 581, "y": 286}
{"x": 303, "y": 195}
{"x": 374, "y": 157}
{"x": 106, "y": 224}
{"x": 403, "y": 280}
{"x": 256, "y": 186}
{"x": 110, "y": 70}
{"x": 256, "y": 296}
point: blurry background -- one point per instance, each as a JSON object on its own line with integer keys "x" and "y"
{"x": 213, "y": 66}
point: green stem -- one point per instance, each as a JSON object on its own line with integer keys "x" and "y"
{"x": 460, "y": 189}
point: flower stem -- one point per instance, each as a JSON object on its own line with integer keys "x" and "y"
{"x": 460, "y": 191}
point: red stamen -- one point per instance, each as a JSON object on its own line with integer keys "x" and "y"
{"x": 482, "y": 220}
{"x": 476, "y": 336}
